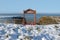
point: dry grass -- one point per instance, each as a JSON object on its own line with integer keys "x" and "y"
{"x": 46, "y": 20}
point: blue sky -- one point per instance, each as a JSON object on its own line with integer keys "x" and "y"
{"x": 41, "y": 6}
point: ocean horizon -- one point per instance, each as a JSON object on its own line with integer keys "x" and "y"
{"x": 9, "y": 16}
{"x": 31, "y": 15}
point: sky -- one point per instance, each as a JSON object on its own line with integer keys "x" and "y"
{"x": 41, "y": 6}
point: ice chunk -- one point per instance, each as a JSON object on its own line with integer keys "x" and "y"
{"x": 44, "y": 38}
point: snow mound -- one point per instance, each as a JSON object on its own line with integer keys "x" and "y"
{"x": 29, "y": 32}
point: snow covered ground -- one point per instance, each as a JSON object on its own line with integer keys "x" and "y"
{"x": 29, "y": 32}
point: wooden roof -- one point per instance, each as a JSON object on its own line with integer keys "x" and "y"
{"x": 32, "y": 11}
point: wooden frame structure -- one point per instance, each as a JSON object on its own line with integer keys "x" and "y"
{"x": 30, "y": 11}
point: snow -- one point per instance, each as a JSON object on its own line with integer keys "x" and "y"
{"x": 43, "y": 38}
{"x": 29, "y": 32}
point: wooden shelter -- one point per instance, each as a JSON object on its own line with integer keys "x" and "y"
{"x": 30, "y": 11}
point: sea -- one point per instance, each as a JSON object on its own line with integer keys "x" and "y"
{"x": 8, "y": 16}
